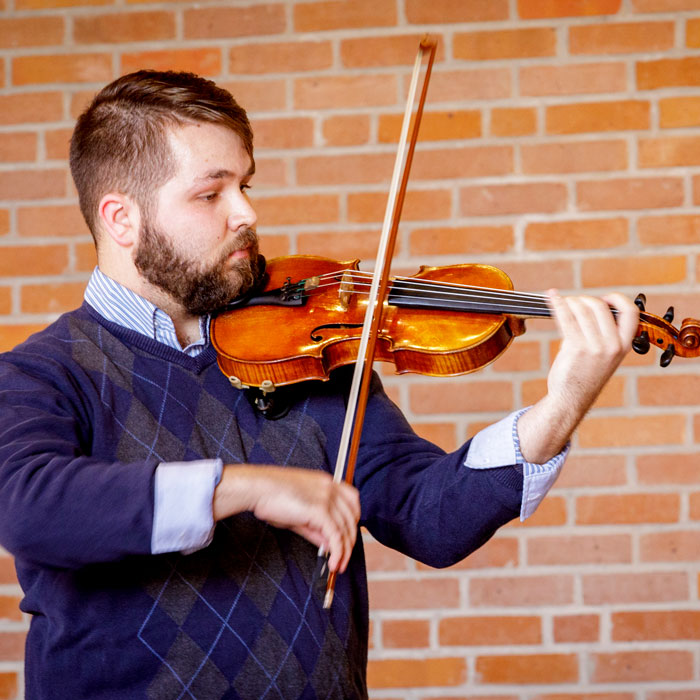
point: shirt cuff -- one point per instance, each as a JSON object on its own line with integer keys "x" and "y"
{"x": 498, "y": 445}
{"x": 183, "y": 520}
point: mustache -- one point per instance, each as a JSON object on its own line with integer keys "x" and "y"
{"x": 246, "y": 238}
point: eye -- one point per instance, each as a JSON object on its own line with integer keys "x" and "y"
{"x": 209, "y": 196}
{"x": 245, "y": 186}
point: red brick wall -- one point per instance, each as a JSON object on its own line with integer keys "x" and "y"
{"x": 560, "y": 143}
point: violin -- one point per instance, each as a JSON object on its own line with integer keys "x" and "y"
{"x": 442, "y": 321}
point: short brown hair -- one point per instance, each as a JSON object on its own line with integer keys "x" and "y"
{"x": 120, "y": 141}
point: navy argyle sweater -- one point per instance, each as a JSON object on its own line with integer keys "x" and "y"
{"x": 87, "y": 412}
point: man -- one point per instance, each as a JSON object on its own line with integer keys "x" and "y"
{"x": 165, "y": 531}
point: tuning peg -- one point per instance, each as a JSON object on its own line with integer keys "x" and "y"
{"x": 641, "y": 301}
{"x": 640, "y": 344}
{"x": 667, "y": 355}
{"x": 668, "y": 316}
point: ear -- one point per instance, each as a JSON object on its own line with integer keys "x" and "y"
{"x": 120, "y": 218}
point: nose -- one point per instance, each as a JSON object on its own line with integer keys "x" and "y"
{"x": 241, "y": 212}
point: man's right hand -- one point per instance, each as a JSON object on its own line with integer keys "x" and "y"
{"x": 306, "y": 501}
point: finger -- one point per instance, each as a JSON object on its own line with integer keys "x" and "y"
{"x": 627, "y": 317}
{"x": 563, "y": 314}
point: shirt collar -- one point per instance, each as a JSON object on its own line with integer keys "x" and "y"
{"x": 120, "y": 305}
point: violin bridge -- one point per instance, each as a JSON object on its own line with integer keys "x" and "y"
{"x": 311, "y": 283}
{"x": 345, "y": 290}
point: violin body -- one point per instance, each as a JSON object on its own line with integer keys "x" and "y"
{"x": 272, "y": 345}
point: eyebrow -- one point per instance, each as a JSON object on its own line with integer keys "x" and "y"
{"x": 223, "y": 173}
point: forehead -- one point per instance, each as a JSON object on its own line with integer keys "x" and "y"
{"x": 200, "y": 148}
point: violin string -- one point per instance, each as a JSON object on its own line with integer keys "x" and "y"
{"x": 503, "y": 300}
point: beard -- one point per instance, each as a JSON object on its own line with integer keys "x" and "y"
{"x": 198, "y": 288}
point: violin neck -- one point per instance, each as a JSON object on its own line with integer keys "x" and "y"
{"x": 422, "y": 294}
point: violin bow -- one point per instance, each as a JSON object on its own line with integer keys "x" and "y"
{"x": 362, "y": 375}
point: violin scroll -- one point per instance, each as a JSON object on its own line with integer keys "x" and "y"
{"x": 658, "y": 331}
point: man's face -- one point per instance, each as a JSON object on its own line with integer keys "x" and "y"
{"x": 200, "y": 246}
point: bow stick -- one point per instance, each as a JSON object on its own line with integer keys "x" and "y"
{"x": 362, "y": 375}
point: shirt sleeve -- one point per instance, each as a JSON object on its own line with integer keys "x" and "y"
{"x": 182, "y": 513}
{"x": 498, "y": 444}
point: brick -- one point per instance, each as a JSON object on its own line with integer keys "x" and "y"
{"x": 280, "y": 57}
{"x": 665, "y": 269}
{"x": 620, "y": 431}
{"x": 522, "y": 356}
{"x": 441, "y": 434}
{"x": 122, "y": 27}
{"x": 694, "y": 500}
{"x": 345, "y": 91}
{"x": 405, "y": 634}
{"x": 204, "y": 61}
{"x": 630, "y": 193}
{"x": 665, "y": 5}
{"x": 677, "y": 112}
{"x": 540, "y": 9}
{"x": 551, "y": 512}
{"x": 461, "y": 240}
{"x": 655, "y": 625}
{"x": 4, "y": 222}
{"x": 381, "y": 558}
{"x": 513, "y": 121}
{"x": 574, "y": 79}
{"x": 579, "y": 549}
{"x": 51, "y": 298}
{"x": 340, "y": 245}
{"x": 466, "y": 162}
{"x": 62, "y": 68}
{"x": 9, "y": 608}
{"x": 673, "y": 390}
{"x": 45, "y": 4}
{"x": 505, "y": 43}
{"x": 637, "y": 587}
{"x": 692, "y": 33}
{"x": 456, "y": 397}
{"x": 528, "y": 669}
{"x": 346, "y": 130}
{"x": 283, "y": 132}
{"x": 345, "y": 169}
{"x": 274, "y": 245}
{"x": 12, "y": 646}
{"x": 499, "y": 200}
{"x": 33, "y": 260}
{"x": 85, "y": 257}
{"x": 297, "y": 209}
{"x": 257, "y": 19}
{"x": 668, "y": 72}
{"x": 672, "y": 695}
{"x": 9, "y": 685}
{"x": 32, "y": 184}
{"x": 642, "y": 666}
{"x": 529, "y": 591}
{"x": 434, "y": 126}
{"x": 498, "y": 553}
{"x": 670, "y": 546}
{"x": 18, "y": 146}
{"x": 619, "y": 38}
{"x": 5, "y": 300}
{"x": 57, "y": 143}
{"x": 29, "y": 32}
{"x": 592, "y": 471}
{"x": 621, "y": 115}
{"x": 416, "y": 673}
{"x": 680, "y": 229}
{"x": 367, "y": 207}
{"x": 414, "y": 594}
{"x": 7, "y": 564}
{"x": 563, "y": 157}
{"x": 489, "y": 630}
{"x": 483, "y": 84}
{"x": 627, "y": 509}
{"x": 672, "y": 468}
{"x": 395, "y": 50}
{"x": 576, "y": 628}
{"x": 58, "y": 220}
{"x": 529, "y": 276}
{"x": 576, "y": 235}
{"x": 343, "y": 14}
{"x": 669, "y": 152}
{"x": 454, "y": 11}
